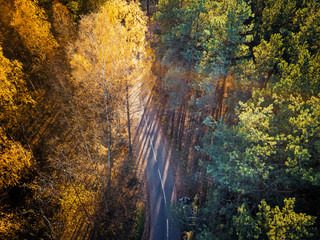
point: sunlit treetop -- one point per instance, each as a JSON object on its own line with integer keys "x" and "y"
{"x": 30, "y": 22}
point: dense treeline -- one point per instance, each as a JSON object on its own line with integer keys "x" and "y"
{"x": 66, "y": 94}
{"x": 237, "y": 79}
{"x": 240, "y": 80}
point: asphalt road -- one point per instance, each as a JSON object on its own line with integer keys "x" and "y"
{"x": 154, "y": 161}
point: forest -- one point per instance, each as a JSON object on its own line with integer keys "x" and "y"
{"x": 236, "y": 84}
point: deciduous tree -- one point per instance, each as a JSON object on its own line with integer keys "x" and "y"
{"x": 109, "y": 55}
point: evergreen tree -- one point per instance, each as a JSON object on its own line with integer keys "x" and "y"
{"x": 273, "y": 223}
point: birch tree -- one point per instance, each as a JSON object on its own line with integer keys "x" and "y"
{"x": 108, "y": 56}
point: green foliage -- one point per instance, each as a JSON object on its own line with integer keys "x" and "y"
{"x": 273, "y": 223}
{"x": 204, "y": 43}
{"x": 228, "y": 36}
{"x": 172, "y": 81}
{"x": 302, "y": 76}
{"x": 165, "y": 13}
{"x": 74, "y": 7}
{"x": 183, "y": 36}
{"x": 208, "y": 34}
{"x": 140, "y": 222}
{"x": 287, "y": 55}
{"x": 268, "y": 56}
{"x": 246, "y": 226}
{"x": 265, "y": 54}
{"x": 216, "y": 215}
{"x": 77, "y": 8}
{"x": 275, "y": 144}
{"x": 274, "y": 148}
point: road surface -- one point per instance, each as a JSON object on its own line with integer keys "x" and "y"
{"x": 154, "y": 161}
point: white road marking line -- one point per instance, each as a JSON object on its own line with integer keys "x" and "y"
{"x": 167, "y": 229}
{"x": 164, "y": 194}
{"x": 154, "y": 154}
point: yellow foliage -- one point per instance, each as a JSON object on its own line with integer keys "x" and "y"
{"x": 111, "y": 46}
{"x": 131, "y": 18}
{"x": 30, "y": 22}
{"x": 10, "y": 78}
{"x": 13, "y": 92}
{"x": 109, "y": 58}
{"x": 15, "y": 161}
{"x": 73, "y": 204}
{"x": 9, "y": 225}
{"x": 5, "y": 10}
{"x": 62, "y": 23}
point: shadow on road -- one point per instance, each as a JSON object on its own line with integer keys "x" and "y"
{"x": 153, "y": 161}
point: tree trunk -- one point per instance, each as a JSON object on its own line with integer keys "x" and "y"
{"x": 181, "y": 131}
{"x": 82, "y": 205}
{"x": 221, "y": 98}
{"x": 172, "y": 123}
{"x": 109, "y": 141}
{"x": 148, "y": 7}
{"x": 128, "y": 116}
{"x": 178, "y": 125}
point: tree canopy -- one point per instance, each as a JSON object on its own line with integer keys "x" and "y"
{"x": 255, "y": 88}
